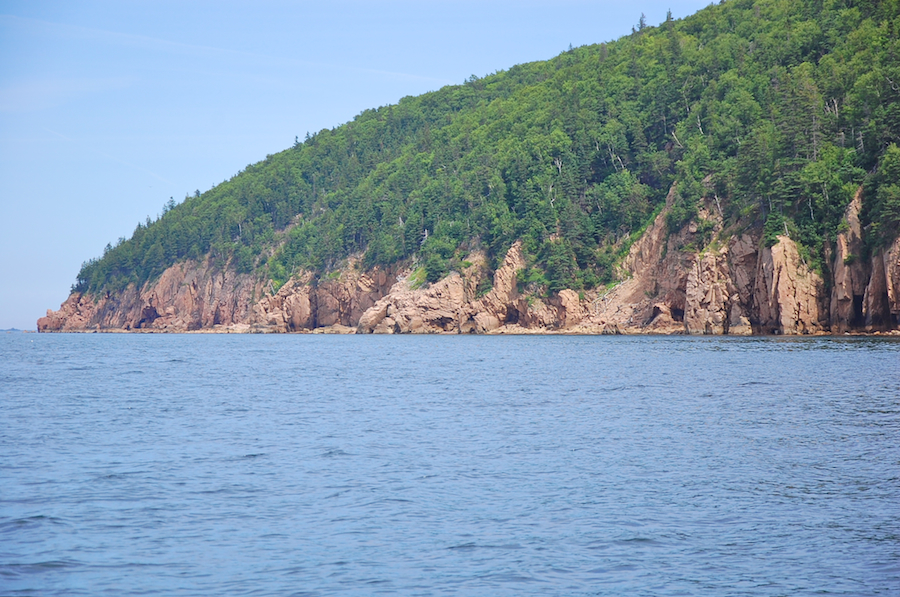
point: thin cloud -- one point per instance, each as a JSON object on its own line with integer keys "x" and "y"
{"x": 132, "y": 39}
{"x": 38, "y": 94}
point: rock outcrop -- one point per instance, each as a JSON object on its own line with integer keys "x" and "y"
{"x": 700, "y": 279}
{"x": 881, "y": 299}
{"x": 850, "y": 273}
{"x": 306, "y": 304}
{"x": 193, "y": 296}
{"x": 188, "y": 296}
{"x": 406, "y": 310}
{"x": 712, "y": 303}
{"x": 891, "y": 260}
{"x": 651, "y": 297}
{"x": 787, "y": 295}
{"x": 451, "y": 305}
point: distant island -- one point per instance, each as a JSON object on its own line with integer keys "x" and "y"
{"x": 733, "y": 172}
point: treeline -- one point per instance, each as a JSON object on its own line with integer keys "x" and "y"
{"x": 775, "y": 111}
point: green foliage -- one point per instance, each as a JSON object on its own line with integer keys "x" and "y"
{"x": 531, "y": 279}
{"x": 435, "y": 267}
{"x": 774, "y": 227}
{"x": 777, "y": 109}
{"x": 485, "y": 285}
{"x": 884, "y": 189}
{"x": 682, "y": 210}
{"x": 278, "y": 274}
{"x": 417, "y": 278}
{"x": 561, "y": 267}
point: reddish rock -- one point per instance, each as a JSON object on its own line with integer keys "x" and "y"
{"x": 850, "y": 273}
{"x": 788, "y": 297}
{"x": 669, "y": 284}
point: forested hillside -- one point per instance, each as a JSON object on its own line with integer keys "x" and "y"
{"x": 774, "y": 111}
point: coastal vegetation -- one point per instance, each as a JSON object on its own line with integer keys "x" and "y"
{"x": 774, "y": 112}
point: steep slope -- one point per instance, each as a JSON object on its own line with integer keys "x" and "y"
{"x": 736, "y": 286}
{"x": 713, "y": 166}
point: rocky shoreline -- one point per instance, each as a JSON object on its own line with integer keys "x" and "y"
{"x": 735, "y": 285}
{"x": 513, "y": 330}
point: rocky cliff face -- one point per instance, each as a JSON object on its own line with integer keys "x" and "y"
{"x": 850, "y": 273}
{"x": 881, "y": 299}
{"x": 305, "y": 304}
{"x": 188, "y": 296}
{"x": 195, "y": 296}
{"x": 864, "y": 291}
{"x": 891, "y": 262}
{"x": 737, "y": 286}
{"x": 788, "y": 297}
{"x": 700, "y": 280}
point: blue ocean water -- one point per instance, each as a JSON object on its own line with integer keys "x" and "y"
{"x": 472, "y": 465}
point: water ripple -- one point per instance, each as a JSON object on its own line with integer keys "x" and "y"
{"x": 325, "y": 465}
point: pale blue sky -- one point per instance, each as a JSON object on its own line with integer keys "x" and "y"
{"x": 107, "y": 109}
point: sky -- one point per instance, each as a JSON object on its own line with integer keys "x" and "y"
{"x": 110, "y": 108}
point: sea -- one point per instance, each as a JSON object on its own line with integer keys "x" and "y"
{"x": 309, "y": 465}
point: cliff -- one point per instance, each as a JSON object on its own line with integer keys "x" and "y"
{"x": 733, "y": 285}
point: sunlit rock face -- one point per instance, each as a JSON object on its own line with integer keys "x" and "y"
{"x": 670, "y": 282}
